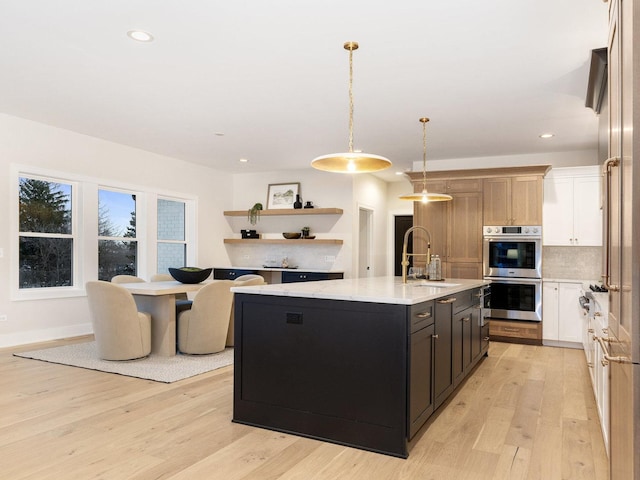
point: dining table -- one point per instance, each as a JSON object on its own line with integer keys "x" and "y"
{"x": 159, "y": 300}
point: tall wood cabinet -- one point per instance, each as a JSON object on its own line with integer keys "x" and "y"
{"x": 455, "y": 227}
{"x": 492, "y": 196}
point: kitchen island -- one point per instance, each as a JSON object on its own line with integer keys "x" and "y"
{"x": 359, "y": 362}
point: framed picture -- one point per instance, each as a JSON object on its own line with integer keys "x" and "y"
{"x": 282, "y": 195}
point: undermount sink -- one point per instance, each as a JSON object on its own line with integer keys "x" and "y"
{"x": 427, "y": 283}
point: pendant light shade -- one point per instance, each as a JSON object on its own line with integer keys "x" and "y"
{"x": 424, "y": 196}
{"x": 351, "y": 162}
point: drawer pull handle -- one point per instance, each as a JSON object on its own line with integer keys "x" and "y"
{"x": 424, "y": 315}
{"x": 435, "y": 336}
{"x": 511, "y": 329}
{"x": 486, "y": 339}
{"x": 466, "y": 319}
{"x": 447, "y": 300}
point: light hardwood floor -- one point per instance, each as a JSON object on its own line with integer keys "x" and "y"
{"x": 526, "y": 413}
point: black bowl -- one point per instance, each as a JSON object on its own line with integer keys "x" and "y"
{"x": 190, "y": 276}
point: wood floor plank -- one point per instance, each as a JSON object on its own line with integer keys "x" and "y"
{"x": 526, "y": 412}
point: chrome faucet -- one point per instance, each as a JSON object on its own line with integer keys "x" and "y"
{"x": 405, "y": 255}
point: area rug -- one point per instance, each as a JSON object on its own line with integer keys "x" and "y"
{"x": 153, "y": 367}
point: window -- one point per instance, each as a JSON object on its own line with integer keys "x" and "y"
{"x": 117, "y": 243}
{"x": 46, "y": 233}
{"x": 172, "y": 244}
{"x": 68, "y": 229}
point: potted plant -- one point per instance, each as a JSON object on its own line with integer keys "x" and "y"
{"x": 253, "y": 214}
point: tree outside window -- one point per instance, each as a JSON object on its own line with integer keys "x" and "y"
{"x": 117, "y": 243}
{"x": 46, "y": 234}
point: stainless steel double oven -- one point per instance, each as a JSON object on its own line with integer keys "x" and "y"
{"x": 512, "y": 260}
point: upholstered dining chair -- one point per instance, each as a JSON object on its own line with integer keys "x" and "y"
{"x": 127, "y": 279}
{"x": 121, "y": 332}
{"x": 203, "y": 328}
{"x": 242, "y": 280}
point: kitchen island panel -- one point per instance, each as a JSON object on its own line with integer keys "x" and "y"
{"x": 324, "y": 369}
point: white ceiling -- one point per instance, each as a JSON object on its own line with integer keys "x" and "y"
{"x": 272, "y": 76}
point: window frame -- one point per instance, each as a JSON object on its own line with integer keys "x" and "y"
{"x": 84, "y": 211}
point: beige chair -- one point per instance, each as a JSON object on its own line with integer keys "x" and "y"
{"x": 239, "y": 282}
{"x": 203, "y": 328}
{"x": 127, "y": 279}
{"x": 121, "y": 332}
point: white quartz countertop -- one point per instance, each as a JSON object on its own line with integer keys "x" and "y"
{"x": 374, "y": 289}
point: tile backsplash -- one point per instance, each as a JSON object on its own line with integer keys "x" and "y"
{"x": 579, "y": 263}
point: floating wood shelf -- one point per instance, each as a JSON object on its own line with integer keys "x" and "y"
{"x": 264, "y": 241}
{"x": 287, "y": 211}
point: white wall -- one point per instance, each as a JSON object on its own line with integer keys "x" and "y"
{"x": 325, "y": 190}
{"x": 37, "y": 145}
{"x": 371, "y": 193}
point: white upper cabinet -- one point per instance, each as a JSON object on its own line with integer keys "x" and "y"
{"x": 571, "y": 210}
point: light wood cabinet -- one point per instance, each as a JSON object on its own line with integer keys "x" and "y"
{"x": 515, "y": 200}
{"x": 455, "y": 227}
{"x": 490, "y": 196}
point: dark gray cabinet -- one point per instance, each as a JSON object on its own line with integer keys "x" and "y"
{"x": 442, "y": 350}
{"x": 420, "y": 366}
{"x": 231, "y": 273}
{"x": 362, "y": 374}
{"x": 291, "y": 277}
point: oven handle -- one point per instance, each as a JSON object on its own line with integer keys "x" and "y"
{"x": 515, "y": 280}
{"x": 606, "y": 171}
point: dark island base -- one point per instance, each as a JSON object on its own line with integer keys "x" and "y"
{"x": 340, "y": 371}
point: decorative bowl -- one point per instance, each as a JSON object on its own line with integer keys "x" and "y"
{"x": 190, "y": 274}
{"x": 309, "y": 237}
{"x": 291, "y": 235}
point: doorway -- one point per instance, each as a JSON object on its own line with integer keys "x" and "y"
{"x": 402, "y": 223}
{"x": 365, "y": 233}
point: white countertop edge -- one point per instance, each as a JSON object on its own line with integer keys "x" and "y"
{"x": 388, "y": 290}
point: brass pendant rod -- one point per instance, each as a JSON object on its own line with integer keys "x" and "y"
{"x": 351, "y": 46}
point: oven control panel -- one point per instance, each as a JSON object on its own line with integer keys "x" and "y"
{"x": 512, "y": 231}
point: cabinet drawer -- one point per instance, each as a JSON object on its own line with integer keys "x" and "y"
{"x": 230, "y": 273}
{"x": 293, "y": 277}
{"x": 466, "y": 299}
{"x": 528, "y": 330}
{"x": 421, "y": 316}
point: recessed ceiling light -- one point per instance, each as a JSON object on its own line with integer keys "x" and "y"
{"x": 243, "y": 160}
{"x": 546, "y": 135}
{"x": 219, "y": 134}
{"x": 140, "y": 36}
{"x": 399, "y": 173}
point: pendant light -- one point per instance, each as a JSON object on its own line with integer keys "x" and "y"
{"x": 425, "y": 196}
{"x": 351, "y": 162}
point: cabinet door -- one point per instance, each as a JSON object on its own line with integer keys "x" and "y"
{"x": 550, "y": 310}
{"x": 420, "y": 365}
{"x": 463, "y": 270}
{"x": 558, "y": 211}
{"x": 496, "y": 204}
{"x": 464, "y": 228}
{"x": 457, "y": 346}
{"x": 526, "y": 200}
{"x": 442, "y": 372}
{"x": 569, "y": 313}
{"x": 587, "y": 223}
{"x": 433, "y": 217}
{"x": 476, "y": 333}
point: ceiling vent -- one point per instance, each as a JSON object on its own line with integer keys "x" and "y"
{"x": 597, "y": 87}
